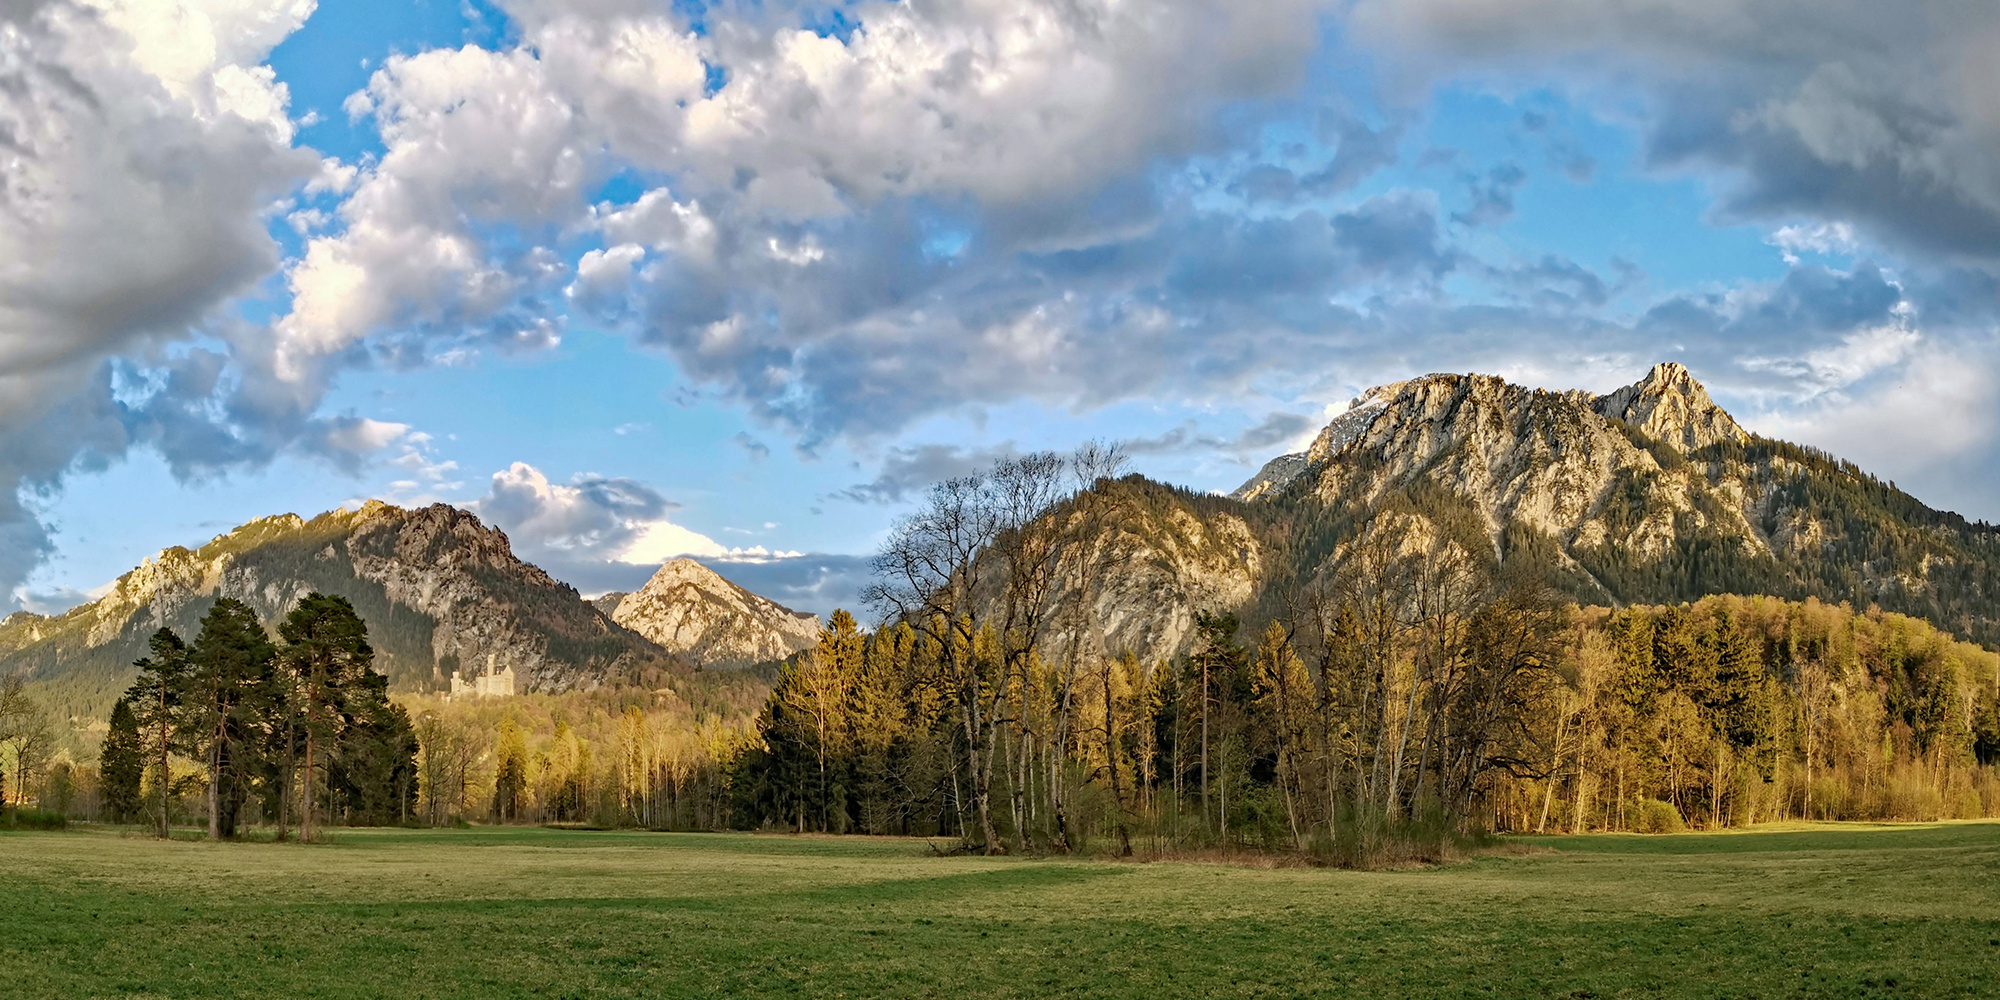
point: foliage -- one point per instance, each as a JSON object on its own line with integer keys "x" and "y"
{"x": 250, "y": 729}
{"x": 122, "y": 764}
{"x": 32, "y": 819}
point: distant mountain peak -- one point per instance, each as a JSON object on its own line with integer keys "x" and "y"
{"x": 436, "y": 586}
{"x": 1646, "y": 494}
{"x": 690, "y": 609}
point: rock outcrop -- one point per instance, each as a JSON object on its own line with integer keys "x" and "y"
{"x": 1649, "y": 493}
{"x": 437, "y": 588}
{"x": 690, "y": 610}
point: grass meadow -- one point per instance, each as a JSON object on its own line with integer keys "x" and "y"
{"x": 1828, "y": 911}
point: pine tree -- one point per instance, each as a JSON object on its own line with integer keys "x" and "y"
{"x": 157, "y": 698}
{"x": 372, "y": 769}
{"x": 121, "y": 763}
{"x": 326, "y": 651}
{"x": 229, "y": 682}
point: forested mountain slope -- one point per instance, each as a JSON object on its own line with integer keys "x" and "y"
{"x": 1650, "y": 494}
{"x": 436, "y": 587}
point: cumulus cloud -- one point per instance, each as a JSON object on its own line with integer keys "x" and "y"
{"x": 144, "y": 144}
{"x": 590, "y": 516}
{"x": 573, "y": 529}
{"x": 807, "y": 188}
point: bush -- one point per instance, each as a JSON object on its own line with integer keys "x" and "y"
{"x": 1656, "y": 816}
{"x": 31, "y": 819}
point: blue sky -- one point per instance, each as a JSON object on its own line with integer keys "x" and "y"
{"x": 634, "y": 279}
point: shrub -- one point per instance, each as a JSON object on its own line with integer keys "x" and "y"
{"x": 1656, "y": 816}
{"x": 31, "y": 819}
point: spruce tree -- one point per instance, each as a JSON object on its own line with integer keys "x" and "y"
{"x": 372, "y": 767}
{"x": 121, "y": 763}
{"x": 510, "y": 776}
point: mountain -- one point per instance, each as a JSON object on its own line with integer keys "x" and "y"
{"x": 690, "y": 610}
{"x": 437, "y": 588}
{"x": 1648, "y": 494}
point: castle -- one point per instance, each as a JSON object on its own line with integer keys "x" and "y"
{"x": 491, "y": 684}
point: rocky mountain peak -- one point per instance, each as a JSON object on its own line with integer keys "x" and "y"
{"x": 1337, "y": 434}
{"x": 1670, "y": 405}
{"x": 692, "y": 610}
{"x": 437, "y": 587}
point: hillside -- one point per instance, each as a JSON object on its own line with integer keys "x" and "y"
{"x": 1646, "y": 495}
{"x": 437, "y": 588}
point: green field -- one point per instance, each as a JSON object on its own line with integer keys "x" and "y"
{"x": 1843, "y": 911}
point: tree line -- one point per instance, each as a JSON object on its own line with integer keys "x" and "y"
{"x": 650, "y": 756}
{"x": 297, "y": 732}
{"x": 1420, "y": 691}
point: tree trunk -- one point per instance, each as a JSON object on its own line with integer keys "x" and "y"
{"x": 1111, "y": 758}
{"x": 166, "y": 776}
{"x": 306, "y": 812}
{"x": 1204, "y": 746}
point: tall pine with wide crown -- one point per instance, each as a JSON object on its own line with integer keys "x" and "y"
{"x": 231, "y": 673}
{"x": 157, "y": 702}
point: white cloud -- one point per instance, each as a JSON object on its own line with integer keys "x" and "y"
{"x": 1940, "y": 406}
{"x": 1819, "y": 238}
{"x": 144, "y": 145}
{"x": 363, "y": 435}
{"x": 593, "y": 520}
{"x": 1863, "y": 353}
{"x": 1009, "y": 104}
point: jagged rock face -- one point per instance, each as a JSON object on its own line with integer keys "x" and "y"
{"x": 690, "y": 610}
{"x": 1173, "y": 559}
{"x": 1360, "y": 413}
{"x": 1140, "y": 560}
{"x": 1650, "y": 493}
{"x": 1544, "y": 460}
{"x": 1669, "y": 405}
{"x": 437, "y": 588}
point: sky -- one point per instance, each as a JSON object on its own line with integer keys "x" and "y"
{"x": 633, "y": 280}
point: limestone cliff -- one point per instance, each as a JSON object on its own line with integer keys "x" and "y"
{"x": 690, "y": 610}
{"x": 1648, "y": 493}
{"x": 437, "y": 588}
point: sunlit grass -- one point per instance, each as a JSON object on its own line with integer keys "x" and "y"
{"x": 1797, "y": 911}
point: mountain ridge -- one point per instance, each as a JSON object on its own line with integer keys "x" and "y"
{"x": 436, "y": 586}
{"x": 1651, "y": 493}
